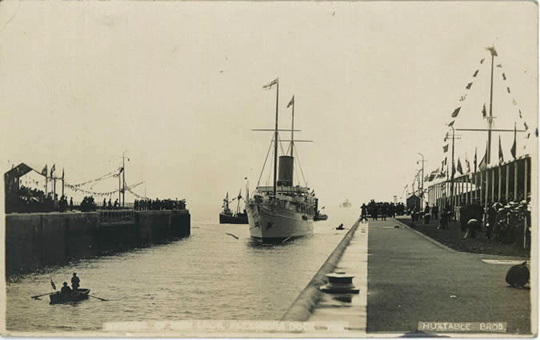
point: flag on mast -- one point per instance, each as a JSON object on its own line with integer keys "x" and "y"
{"x": 501, "y": 156}
{"x": 44, "y": 171}
{"x": 492, "y": 50}
{"x": 484, "y": 112}
{"x": 291, "y": 102}
{"x": 483, "y": 163}
{"x": 514, "y": 146}
{"x": 52, "y": 169}
{"x": 272, "y": 83}
{"x": 459, "y": 167}
{"x": 445, "y": 148}
{"x": 456, "y": 112}
{"x": 467, "y": 163}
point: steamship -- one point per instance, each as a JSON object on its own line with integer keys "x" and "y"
{"x": 283, "y": 211}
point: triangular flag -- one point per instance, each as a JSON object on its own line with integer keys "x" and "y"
{"x": 468, "y": 87}
{"x": 504, "y": 76}
{"x": 272, "y": 83}
{"x": 482, "y": 61}
{"x": 499, "y": 65}
{"x": 483, "y": 163}
{"x": 526, "y": 126}
{"x": 451, "y": 123}
{"x": 508, "y": 89}
{"x": 514, "y": 146}
{"x": 475, "y": 73}
{"x": 459, "y": 168}
{"x": 445, "y": 148}
{"x": 492, "y": 50}
{"x": 291, "y": 102}
{"x": 468, "y": 164}
{"x": 456, "y": 112}
{"x": 501, "y": 156}
{"x": 44, "y": 171}
{"x": 475, "y": 161}
{"x": 484, "y": 113}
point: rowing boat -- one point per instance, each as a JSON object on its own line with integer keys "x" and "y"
{"x": 73, "y": 296}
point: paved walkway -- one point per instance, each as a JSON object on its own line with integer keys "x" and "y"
{"x": 413, "y": 279}
{"x": 409, "y": 278}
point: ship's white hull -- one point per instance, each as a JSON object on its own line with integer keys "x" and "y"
{"x": 271, "y": 223}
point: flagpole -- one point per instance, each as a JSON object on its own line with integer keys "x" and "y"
{"x": 123, "y": 179}
{"x": 452, "y": 176}
{"x": 276, "y": 139}
{"x": 490, "y": 119}
{"x": 422, "y": 192}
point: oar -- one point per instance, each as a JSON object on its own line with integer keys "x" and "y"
{"x": 37, "y": 296}
{"x": 97, "y": 297}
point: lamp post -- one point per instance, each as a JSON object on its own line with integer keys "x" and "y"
{"x": 422, "y": 185}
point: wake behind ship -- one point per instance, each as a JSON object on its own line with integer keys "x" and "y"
{"x": 282, "y": 211}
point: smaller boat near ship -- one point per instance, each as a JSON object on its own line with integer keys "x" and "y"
{"x": 227, "y": 216}
{"x": 319, "y": 216}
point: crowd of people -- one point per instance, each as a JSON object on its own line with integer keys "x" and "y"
{"x": 34, "y": 200}
{"x": 157, "y": 204}
{"x": 381, "y": 210}
{"x": 502, "y": 222}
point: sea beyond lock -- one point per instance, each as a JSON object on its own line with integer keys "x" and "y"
{"x": 209, "y": 276}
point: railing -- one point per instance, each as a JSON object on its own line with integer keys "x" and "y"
{"x": 116, "y": 216}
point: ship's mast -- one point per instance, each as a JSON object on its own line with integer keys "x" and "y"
{"x": 226, "y": 203}
{"x": 292, "y": 129}
{"x": 276, "y": 138}
{"x": 238, "y": 202}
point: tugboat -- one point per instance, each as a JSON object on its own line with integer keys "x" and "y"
{"x": 318, "y": 215}
{"x": 283, "y": 211}
{"x": 228, "y": 217}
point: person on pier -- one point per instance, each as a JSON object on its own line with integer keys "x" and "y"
{"x": 427, "y": 214}
{"x": 75, "y": 281}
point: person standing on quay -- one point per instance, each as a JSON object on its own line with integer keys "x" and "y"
{"x": 426, "y": 214}
{"x": 363, "y": 215}
{"x": 435, "y": 211}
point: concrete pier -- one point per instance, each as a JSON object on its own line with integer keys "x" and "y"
{"x": 35, "y": 240}
{"x": 411, "y": 281}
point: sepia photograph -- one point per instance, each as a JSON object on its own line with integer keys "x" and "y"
{"x": 269, "y": 169}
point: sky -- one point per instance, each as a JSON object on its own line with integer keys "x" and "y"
{"x": 176, "y": 87}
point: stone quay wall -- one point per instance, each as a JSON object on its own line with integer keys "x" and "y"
{"x": 37, "y": 240}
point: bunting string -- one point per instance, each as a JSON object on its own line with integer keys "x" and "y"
{"x": 110, "y": 174}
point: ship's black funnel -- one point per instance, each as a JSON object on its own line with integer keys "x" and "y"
{"x": 285, "y": 177}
